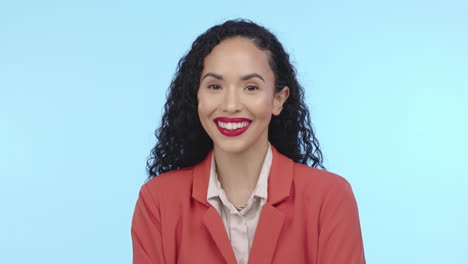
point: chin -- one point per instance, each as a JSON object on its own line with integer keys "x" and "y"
{"x": 232, "y": 147}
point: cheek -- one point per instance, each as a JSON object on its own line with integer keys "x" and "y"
{"x": 201, "y": 110}
{"x": 262, "y": 106}
{"x": 200, "y": 102}
{"x": 204, "y": 107}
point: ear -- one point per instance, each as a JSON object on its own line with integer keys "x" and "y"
{"x": 279, "y": 99}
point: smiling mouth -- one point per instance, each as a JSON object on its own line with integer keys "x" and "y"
{"x": 232, "y": 129}
{"x": 233, "y": 125}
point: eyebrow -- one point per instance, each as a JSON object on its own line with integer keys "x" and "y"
{"x": 243, "y": 78}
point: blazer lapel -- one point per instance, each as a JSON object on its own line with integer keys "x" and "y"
{"x": 215, "y": 226}
{"x": 266, "y": 235}
{"x": 271, "y": 219}
{"x": 211, "y": 219}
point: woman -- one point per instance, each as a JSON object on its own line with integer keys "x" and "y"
{"x": 233, "y": 184}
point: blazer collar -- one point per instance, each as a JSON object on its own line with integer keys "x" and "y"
{"x": 271, "y": 219}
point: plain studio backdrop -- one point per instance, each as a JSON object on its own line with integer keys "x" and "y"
{"x": 83, "y": 83}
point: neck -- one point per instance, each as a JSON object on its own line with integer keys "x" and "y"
{"x": 238, "y": 172}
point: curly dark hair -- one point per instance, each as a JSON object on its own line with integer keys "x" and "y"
{"x": 181, "y": 139}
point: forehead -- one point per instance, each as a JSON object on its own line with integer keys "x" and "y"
{"x": 237, "y": 56}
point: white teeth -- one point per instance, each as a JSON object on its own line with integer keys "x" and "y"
{"x": 233, "y": 126}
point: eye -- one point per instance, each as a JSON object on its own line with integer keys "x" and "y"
{"x": 214, "y": 87}
{"x": 251, "y": 88}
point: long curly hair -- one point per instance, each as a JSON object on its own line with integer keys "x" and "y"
{"x": 181, "y": 139}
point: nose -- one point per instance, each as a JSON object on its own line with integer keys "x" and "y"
{"x": 231, "y": 102}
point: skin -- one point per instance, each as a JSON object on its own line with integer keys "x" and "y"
{"x": 223, "y": 93}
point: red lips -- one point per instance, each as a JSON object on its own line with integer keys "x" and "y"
{"x": 231, "y": 119}
{"x": 232, "y": 133}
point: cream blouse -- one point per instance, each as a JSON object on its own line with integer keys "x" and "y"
{"x": 240, "y": 225}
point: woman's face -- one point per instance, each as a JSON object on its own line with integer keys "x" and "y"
{"x": 236, "y": 97}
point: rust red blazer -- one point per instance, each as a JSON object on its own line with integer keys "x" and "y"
{"x": 311, "y": 216}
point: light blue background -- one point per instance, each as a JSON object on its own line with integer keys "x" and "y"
{"x": 82, "y": 85}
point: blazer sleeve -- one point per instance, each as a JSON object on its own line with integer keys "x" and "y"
{"x": 146, "y": 230}
{"x": 340, "y": 238}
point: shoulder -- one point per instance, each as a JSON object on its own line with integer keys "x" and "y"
{"x": 169, "y": 183}
{"x": 324, "y": 193}
{"x": 317, "y": 181}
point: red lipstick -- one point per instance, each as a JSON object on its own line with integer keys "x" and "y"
{"x": 232, "y": 133}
